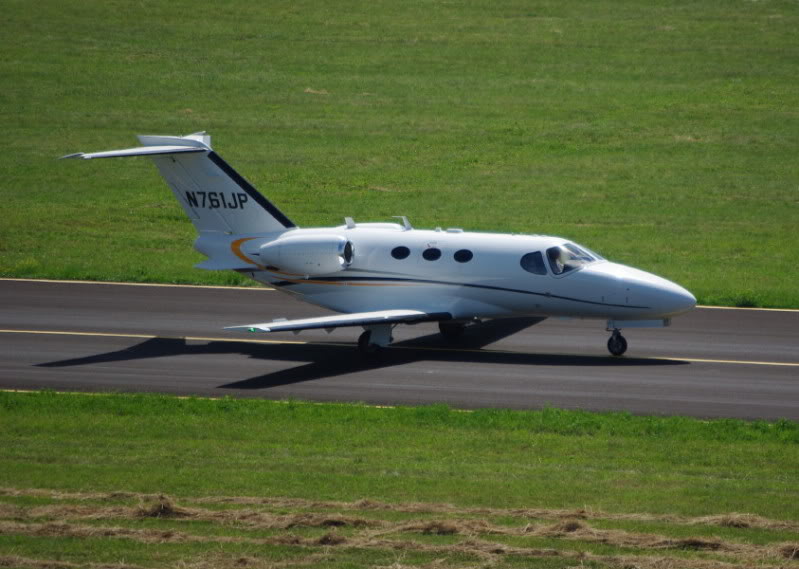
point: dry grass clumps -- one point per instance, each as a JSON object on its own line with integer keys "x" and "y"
{"x": 320, "y": 520}
{"x": 367, "y": 504}
{"x": 163, "y": 507}
{"x": 567, "y": 526}
{"x": 19, "y": 562}
{"x": 475, "y": 528}
{"x": 439, "y": 527}
{"x": 696, "y": 544}
{"x": 331, "y": 539}
{"x": 735, "y": 520}
{"x": 788, "y": 550}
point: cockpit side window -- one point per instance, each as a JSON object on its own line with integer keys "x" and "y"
{"x": 567, "y": 257}
{"x": 533, "y": 263}
{"x": 579, "y": 254}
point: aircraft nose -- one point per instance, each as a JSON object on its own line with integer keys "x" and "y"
{"x": 639, "y": 294}
{"x": 662, "y": 296}
{"x": 674, "y": 299}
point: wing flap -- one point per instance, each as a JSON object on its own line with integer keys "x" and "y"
{"x": 341, "y": 320}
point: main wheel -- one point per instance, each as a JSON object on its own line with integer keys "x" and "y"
{"x": 617, "y": 344}
{"x": 451, "y": 330}
{"x": 365, "y": 346}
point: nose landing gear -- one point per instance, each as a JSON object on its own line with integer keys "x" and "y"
{"x": 617, "y": 344}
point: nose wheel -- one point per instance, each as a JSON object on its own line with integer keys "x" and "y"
{"x": 617, "y": 344}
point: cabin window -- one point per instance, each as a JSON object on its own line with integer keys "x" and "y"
{"x": 432, "y": 254}
{"x": 463, "y": 256}
{"x": 400, "y": 252}
{"x": 534, "y": 263}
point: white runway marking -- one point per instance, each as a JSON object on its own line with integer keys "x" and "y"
{"x": 154, "y": 285}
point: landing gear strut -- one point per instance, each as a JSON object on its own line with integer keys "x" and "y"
{"x": 617, "y": 344}
{"x": 374, "y": 338}
{"x": 365, "y": 346}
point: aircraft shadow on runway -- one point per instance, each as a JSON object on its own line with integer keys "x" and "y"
{"x": 330, "y": 360}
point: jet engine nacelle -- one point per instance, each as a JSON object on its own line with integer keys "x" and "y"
{"x": 308, "y": 254}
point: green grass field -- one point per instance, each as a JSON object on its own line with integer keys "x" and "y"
{"x": 662, "y": 135}
{"x": 269, "y": 484}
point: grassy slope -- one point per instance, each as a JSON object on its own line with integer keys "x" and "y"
{"x": 192, "y": 448}
{"x": 660, "y": 135}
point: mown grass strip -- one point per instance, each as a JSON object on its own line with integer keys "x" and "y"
{"x": 611, "y": 462}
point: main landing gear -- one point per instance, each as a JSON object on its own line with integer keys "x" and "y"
{"x": 451, "y": 330}
{"x": 374, "y": 338}
{"x": 617, "y": 344}
{"x": 379, "y": 335}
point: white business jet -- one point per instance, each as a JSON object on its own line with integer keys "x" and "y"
{"x": 379, "y": 275}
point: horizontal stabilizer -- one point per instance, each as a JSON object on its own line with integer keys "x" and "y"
{"x": 214, "y": 196}
{"x": 139, "y": 151}
{"x": 354, "y": 319}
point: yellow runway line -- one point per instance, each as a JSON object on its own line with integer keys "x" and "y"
{"x": 753, "y": 309}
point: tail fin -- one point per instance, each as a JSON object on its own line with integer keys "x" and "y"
{"x": 213, "y": 195}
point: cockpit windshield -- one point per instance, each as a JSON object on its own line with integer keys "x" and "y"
{"x": 569, "y": 257}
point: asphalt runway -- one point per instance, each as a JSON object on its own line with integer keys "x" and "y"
{"x": 109, "y": 337}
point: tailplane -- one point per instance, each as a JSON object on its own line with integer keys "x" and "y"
{"x": 214, "y": 196}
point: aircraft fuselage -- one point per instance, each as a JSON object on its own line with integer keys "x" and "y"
{"x": 470, "y": 274}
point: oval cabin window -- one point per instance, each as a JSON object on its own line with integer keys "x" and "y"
{"x": 400, "y": 252}
{"x": 432, "y": 254}
{"x": 463, "y": 256}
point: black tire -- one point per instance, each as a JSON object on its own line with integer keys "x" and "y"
{"x": 451, "y": 330}
{"x": 617, "y": 345}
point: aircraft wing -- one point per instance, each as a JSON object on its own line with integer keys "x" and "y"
{"x": 354, "y": 319}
